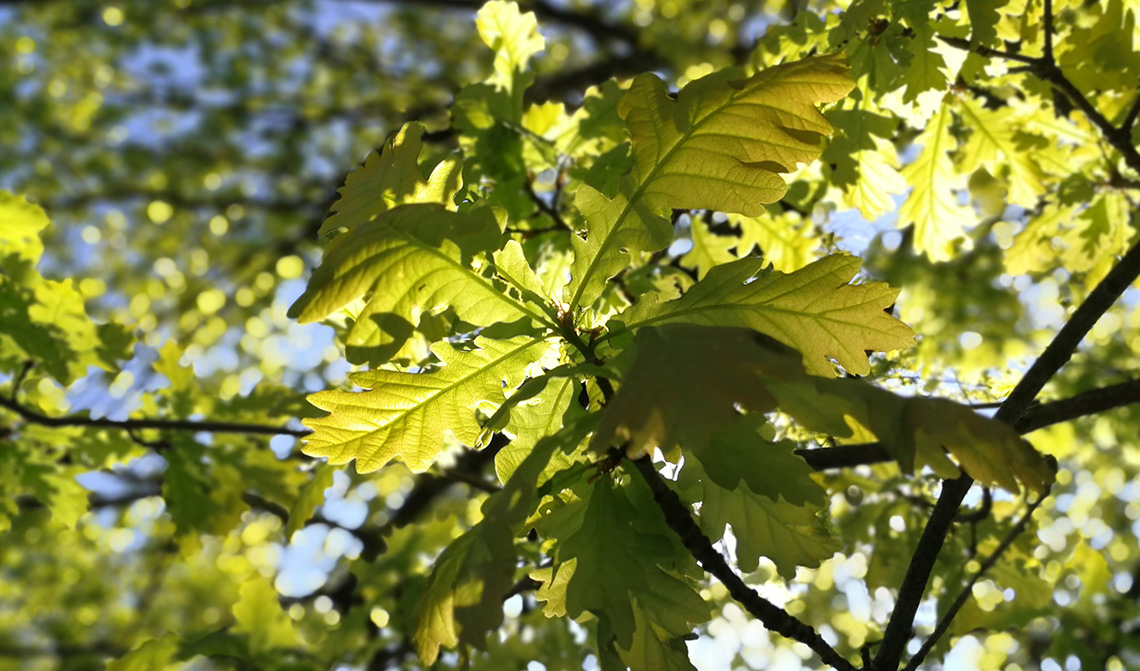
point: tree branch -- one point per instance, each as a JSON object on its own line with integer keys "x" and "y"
{"x": 1058, "y": 352}
{"x": 1086, "y": 403}
{"x": 967, "y": 589}
{"x": 34, "y": 417}
{"x": 1047, "y": 20}
{"x": 774, "y": 618}
{"x": 1047, "y": 69}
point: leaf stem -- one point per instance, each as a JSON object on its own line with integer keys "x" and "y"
{"x": 1130, "y": 119}
{"x": 771, "y": 616}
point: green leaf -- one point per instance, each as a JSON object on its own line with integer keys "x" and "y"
{"x": 512, "y": 266}
{"x": 992, "y": 145}
{"x": 530, "y": 421}
{"x": 389, "y": 178}
{"x": 169, "y": 363}
{"x": 1101, "y": 56}
{"x": 814, "y": 310}
{"x": 259, "y": 616}
{"x": 720, "y": 145}
{"x": 21, "y": 224}
{"x": 22, "y": 338}
{"x": 156, "y": 653}
{"x": 608, "y": 564}
{"x": 513, "y": 36}
{"x": 739, "y": 369}
{"x": 1032, "y": 249}
{"x": 595, "y": 127}
{"x": 654, "y": 648}
{"x": 984, "y": 16}
{"x": 786, "y": 241}
{"x": 311, "y": 496}
{"x": 927, "y": 67}
{"x": 410, "y": 260}
{"x": 408, "y": 415}
{"x": 463, "y": 598}
{"x": 932, "y": 206}
{"x": 790, "y": 535}
{"x": 470, "y": 577}
{"x": 708, "y": 249}
{"x": 56, "y": 487}
{"x": 193, "y": 496}
{"x": 739, "y": 455}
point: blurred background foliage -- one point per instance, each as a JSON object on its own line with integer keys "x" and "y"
{"x": 186, "y": 152}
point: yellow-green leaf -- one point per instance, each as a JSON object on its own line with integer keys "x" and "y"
{"x": 513, "y": 36}
{"x": 392, "y": 177}
{"x": 738, "y": 369}
{"x": 408, "y": 261}
{"x": 991, "y": 145}
{"x": 939, "y": 219}
{"x": 708, "y": 249}
{"x": 790, "y": 535}
{"x": 720, "y": 145}
{"x": 259, "y": 616}
{"x": 20, "y": 226}
{"x": 408, "y": 415}
{"x": 814, "y": 310}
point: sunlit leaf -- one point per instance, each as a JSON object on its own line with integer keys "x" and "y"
{"x": 814, "y": 310}
{"x": 720, "y": 145}
{"x": 940, "y": 221}
{"x": 409, "y": 415}
{"x": 389, "y": 178}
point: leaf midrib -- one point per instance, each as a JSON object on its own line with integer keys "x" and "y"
{"x": 479, "y": 279}
{"x": 758, "y": 308}
{"x": 640, "y": 192}
{"x": 418, "y": 407}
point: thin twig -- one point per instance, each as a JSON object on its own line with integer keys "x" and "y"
{"x": 136, "y": 424}
{"x": 24, "y": 370}
{"x": 1130, "y": 119}
{"x": 771, "y": 616}
{"x": 989, "y": 52}
{"x": 546, "y": 208}
{"x": 967, "y": 589}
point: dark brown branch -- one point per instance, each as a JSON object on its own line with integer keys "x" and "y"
{"x": 1047, "y": 20}
{"x": 845, "y": 456}
{"x": 1086, "y": 403}
{"x": 965, "y": 45}
{"x": 549, "y": 209}
{"x": 34, "y": 417}
{"x": 773, "y": 617}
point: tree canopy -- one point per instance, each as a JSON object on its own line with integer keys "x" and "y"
{"x": 658, "y": 334}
